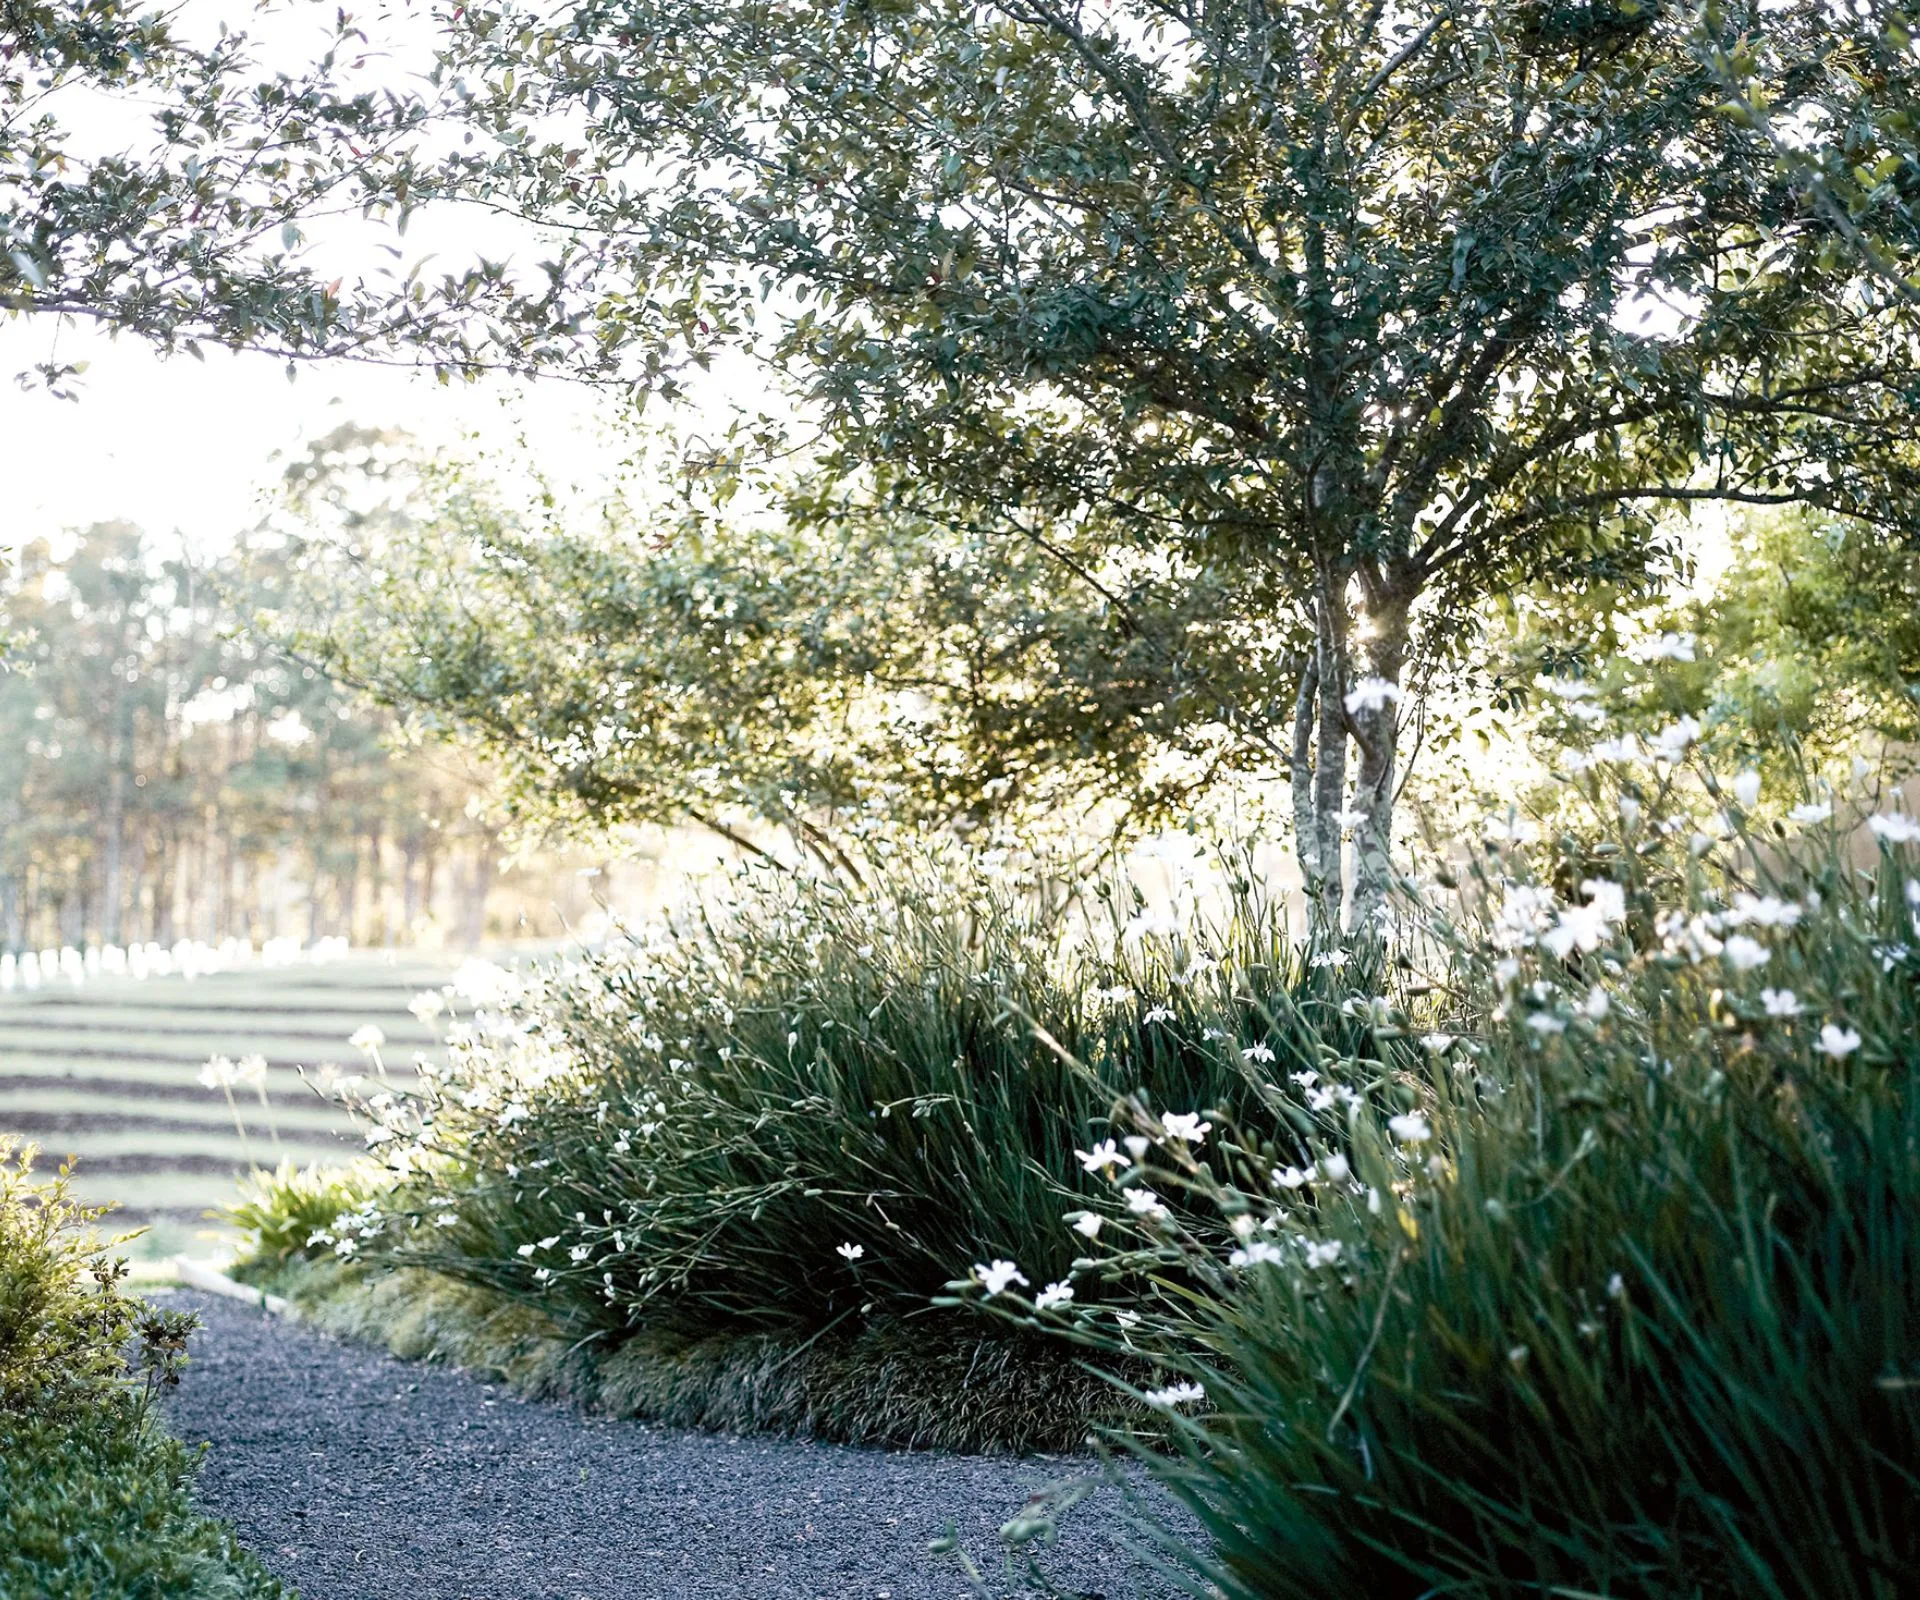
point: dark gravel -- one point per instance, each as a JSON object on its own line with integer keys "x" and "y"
{"x": 358, "y": 1477}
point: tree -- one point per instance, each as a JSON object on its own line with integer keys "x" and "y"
{"x": 1386, "y": 308}
{"x": 195, "y": 231}
{"x": 166, "y": 777}
{"x": 1804, "y": 654}
{"x": 1842, "y": 119}
{"x": 788, "y": 663}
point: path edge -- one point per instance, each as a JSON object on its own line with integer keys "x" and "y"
{"x": 204, "y": 1275}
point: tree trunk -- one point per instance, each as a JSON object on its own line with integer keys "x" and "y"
{"x": 1376, "y": 727}
{"x": 1341, "y": 700}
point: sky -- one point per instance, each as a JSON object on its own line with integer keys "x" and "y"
{"x": 180, "y": 446}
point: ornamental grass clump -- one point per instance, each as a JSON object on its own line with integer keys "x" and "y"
{"x": 1626, "y": 1301}
{"x": 818, "y": 1103}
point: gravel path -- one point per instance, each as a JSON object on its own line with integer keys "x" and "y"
{"x": 358, "y": 1477}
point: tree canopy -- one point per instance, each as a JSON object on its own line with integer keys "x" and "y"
{"x": 164, "y": 185}
{"x": 1377, "y": 309}
{"x": 793, "y": 663}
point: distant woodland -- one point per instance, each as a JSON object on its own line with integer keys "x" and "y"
{"x": 165, "y": 776}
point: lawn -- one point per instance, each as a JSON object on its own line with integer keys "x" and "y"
{"x": 108, "y": 1071}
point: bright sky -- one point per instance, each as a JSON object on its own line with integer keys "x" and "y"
{"x": 180, "y": 445}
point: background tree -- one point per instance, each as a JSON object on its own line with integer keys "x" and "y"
{"x": 766, "y": 647}
{"x": 1803, "y": 653}
{"x": 1378, "y": 309}
{"x": 167, "y": 778}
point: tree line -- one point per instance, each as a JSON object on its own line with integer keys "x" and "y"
{"x": 167, "y": 776}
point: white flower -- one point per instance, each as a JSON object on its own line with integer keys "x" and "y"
{"x": 427, "y": 1004}
{"x": 1894, "y": 828}
{"x": 526, "y": 1250}
{"x": 1185, "y": 1125}
{"x": 1137, "y": 1145}
{"x": 1671, "y": 742}
{"x": 1545, "y": 1022}
{"x": 550, "y": 1241}
{"x": 1335, "y": 1169}
{"x": 1524, "y": 911}
{"x": 1158, "y": 1014}
{"x": 1768, "y": 910}
{"x": 1838, "y": 1042}
{"x": 1780, "y": 1002}
{"x": 1127, "y": 1319}
{"x": 1260, "y": 1253}
{"x": 1630, "y": 810}
{"x": 1088, "y": 1223}
{"x": 1150, "y": 925}
{"x": 1410, "y": 1128}
{"x": 849, "y": 1252}
{"x": 1438, "y": 1043}
{"x": 1807, "y": 815}
{"x": 250, "y": 1070}
{"x": 1744, "y": 954}
{"x": 1322, "y": 1255}
{"x": 1102, "y": 1157}
{"x": 1145, "y": 1203}
{"x": 579, "y": 1252}
{"x": 218, "y": 1073}
{"x": 366, "y": 1038}
{"x": 1257, "y": 1052}
{"x": 1586, "y": 927}
{"x": 1371, "y": 694}
{"x": 1055, "y": 1294}
{"x": 1598, "y": 1003}
{"x": 996, "y": 1277}
{"x": 1175, "y": 1394}
{"x": 1746, "y": 789}
{"x": 1306, "y": 1079}
{"x": 1291, "y": 1177}
{"x": 1332, "y": 958}
{"x": 1624, "y": 749}
{"x": 1616, "y": 1287}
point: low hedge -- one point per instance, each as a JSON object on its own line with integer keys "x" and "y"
{"x": 99, "y": 1508}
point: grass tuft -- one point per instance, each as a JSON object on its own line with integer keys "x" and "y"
{"x": 938, "y": 1383}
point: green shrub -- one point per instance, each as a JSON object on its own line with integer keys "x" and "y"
{"x": 282, "y": 1213}
{"x": 68, "y": 1336}
{"x": 93, "y": 1496}
{"x": 97, "y": 1507}
{"x": 814, "y": 1107}
{"x": 1627, "y": 1302}
{"x": 885, "y": 1381}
